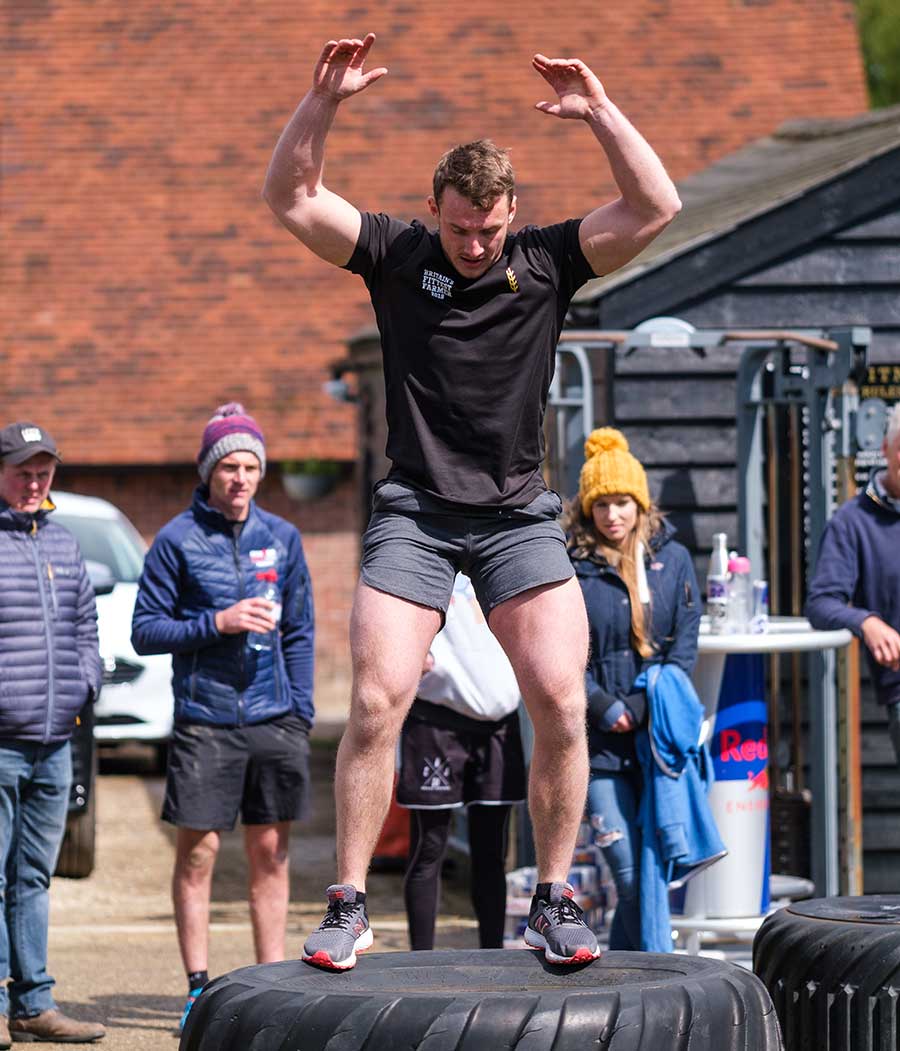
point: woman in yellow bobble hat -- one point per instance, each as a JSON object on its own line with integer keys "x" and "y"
{"x": 643, "y": 606}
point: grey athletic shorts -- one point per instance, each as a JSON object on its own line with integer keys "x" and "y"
{"x": 414, "y": 547}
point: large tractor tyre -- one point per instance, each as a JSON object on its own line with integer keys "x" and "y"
{"x": 486, "y": 1000}
{"x": 832, "y": 968}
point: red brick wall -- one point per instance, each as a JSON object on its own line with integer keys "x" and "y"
{"x": 143, "y": 281}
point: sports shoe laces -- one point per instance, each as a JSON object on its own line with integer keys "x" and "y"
{"x": 338, "y": 915}
{"x": 564, "y": 911}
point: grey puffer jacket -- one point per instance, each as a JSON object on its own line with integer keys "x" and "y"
{"x": 49, "y": 660}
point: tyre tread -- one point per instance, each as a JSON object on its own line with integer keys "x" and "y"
{"x": 682, "y": 1004}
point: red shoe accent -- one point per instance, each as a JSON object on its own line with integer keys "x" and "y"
{"x": 584, "y": 956}
{"x": 322, "y": 959}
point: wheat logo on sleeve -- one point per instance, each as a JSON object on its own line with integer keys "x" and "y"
{"x": 512, "y": 279}
{"x": 439, "y": 285}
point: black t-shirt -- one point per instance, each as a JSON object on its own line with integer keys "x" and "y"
{"x": 468, "y": 363}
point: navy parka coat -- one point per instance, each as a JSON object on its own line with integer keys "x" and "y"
{"x": 613, "y": 665}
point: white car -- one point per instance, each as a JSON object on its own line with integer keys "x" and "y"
{"x": 136, "y": 701}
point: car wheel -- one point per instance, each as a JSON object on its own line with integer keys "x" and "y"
{"x": 490, "y": 998}
{"x": 76, "y": 855}
{"x": 832, "y": 967}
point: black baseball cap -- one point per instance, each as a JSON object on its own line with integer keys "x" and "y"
{"x": 20, "y": 441}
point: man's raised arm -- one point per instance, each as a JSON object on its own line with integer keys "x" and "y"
{"x": 323, "y": 221}
{"x": 613, "y": 234}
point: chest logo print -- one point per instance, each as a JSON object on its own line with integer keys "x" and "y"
{"x": 512, "y": 279}
{"x": 439, "y": 285}
{"x": 264, "y": 557}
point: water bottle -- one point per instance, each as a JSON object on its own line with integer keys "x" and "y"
{"x": 759, "y": 615}
{"x": 739, "y": 594}
{"x": 267, "y": 588}
{"x": 717, "y": 586}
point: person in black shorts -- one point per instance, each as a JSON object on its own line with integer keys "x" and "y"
{"x": 461, "y": 747}
{"x": 469, "y": 317}
{"x": 242, "y": 676}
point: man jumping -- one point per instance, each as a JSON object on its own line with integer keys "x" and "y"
{"x": 469, "y": 318}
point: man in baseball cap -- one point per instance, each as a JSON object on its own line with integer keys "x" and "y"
{"x": 47, "y": 612}
{"x": 20, "y": 441}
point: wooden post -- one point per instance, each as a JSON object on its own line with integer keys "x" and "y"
{"x": 851, "y": 831}
{"x": 849, "y": 733}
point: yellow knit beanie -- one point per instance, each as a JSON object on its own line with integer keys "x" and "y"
{"x": 610, "y": 468}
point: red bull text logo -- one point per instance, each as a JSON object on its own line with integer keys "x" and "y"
{"x": 733, "y": 748}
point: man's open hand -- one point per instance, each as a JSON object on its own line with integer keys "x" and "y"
{"x": 339, "y": 71}
{"x": 580, "y": 93}
{"x": 250, "y": 614}
{"x": 883, "y": 642}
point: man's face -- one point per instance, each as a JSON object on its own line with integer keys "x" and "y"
{"x": 24, "y": 486}
{"x": 471, "y": 237}
{"x": 233, "y": 484}
{"x": 892, "y": 476}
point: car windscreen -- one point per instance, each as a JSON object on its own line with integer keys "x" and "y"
{"x": 113, "y": 542}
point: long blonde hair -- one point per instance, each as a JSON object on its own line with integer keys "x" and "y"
{"x": 586, "y": 541}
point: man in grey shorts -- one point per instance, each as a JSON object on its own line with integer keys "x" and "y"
{"x": 469, "y": 317}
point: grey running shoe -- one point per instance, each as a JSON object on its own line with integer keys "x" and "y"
{"x": 343, "y": 933}
{"x": 556, "y": 925}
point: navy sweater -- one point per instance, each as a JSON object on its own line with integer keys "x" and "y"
{"x": 858, "y": 574}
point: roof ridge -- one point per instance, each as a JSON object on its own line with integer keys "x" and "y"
{"x": 806, "y": 128}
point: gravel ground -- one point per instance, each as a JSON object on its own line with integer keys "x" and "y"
{"x": 112, "y": 938}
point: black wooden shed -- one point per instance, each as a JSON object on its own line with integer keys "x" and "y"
{"x": 800, "y": 230}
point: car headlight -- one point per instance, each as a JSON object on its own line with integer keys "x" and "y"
{"x": 118, "y": 670}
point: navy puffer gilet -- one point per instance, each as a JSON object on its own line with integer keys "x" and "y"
{"x": 49, "y": 660}
{"x": 196, "y": 566}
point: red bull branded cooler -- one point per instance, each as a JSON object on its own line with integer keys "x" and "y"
{"x": 738, "y": 885}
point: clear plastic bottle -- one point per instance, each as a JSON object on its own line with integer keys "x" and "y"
{"x": 759, "y": 614}
{"x": 740, "y": 595}
{"x": 267, "y": 588}
{"x": 717, "y": 585}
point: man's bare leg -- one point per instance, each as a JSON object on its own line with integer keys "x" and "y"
{"x": 269, "y": 887}
{"x": 544, "y": 632}
{"x": 195, "y": 859}
{"x": 389, "y": 640}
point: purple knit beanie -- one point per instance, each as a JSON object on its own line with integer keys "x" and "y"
{"x": 230, "y": 430}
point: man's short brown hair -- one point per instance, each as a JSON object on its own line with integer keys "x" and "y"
{"x": 479, "y": 171}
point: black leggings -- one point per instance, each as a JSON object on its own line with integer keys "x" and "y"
{"x": 429, "y": 830}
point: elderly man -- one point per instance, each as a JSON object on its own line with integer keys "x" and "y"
{"x": 242, "y": 674}
{"x": 469, "y": 317}
{"x": 50, "y": 668}
{"x": 856, "y": 584}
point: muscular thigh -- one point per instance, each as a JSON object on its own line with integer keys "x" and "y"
{"x": 389, "y": 640}
{"x": 544, "y": 633}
